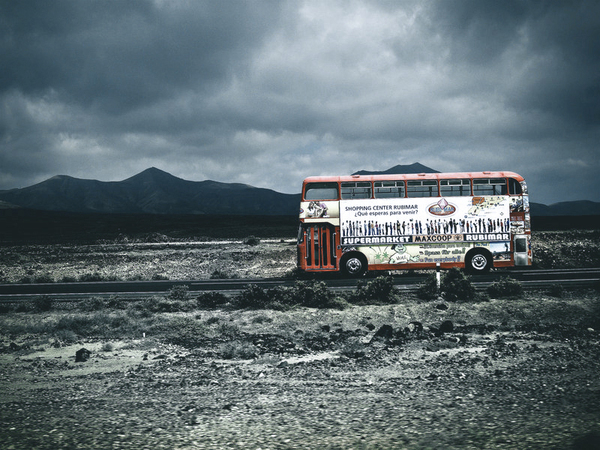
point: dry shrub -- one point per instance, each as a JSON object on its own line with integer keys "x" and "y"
{"x": 238, "y": 350}
{"x": 312, "y": 294}
{"x": 377, "y": 291}
{"x": 211, "y": 299}
{"x": 505, "y": 288}
{"x": 185, "y": 331}
{"x": 251, "y": 240}
{"x": 428, "y": 289}
{"x": 456, "y": 286}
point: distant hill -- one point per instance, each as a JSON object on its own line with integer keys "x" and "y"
{"x": 576, "y": 208}
{"x": 411, "y": 168}
{"x": 151, "y": 192}
{"x": 154, "y": 191}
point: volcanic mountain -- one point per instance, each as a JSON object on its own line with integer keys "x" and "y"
{"x": 152, "y": 191}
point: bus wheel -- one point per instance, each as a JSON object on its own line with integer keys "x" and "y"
{"x": 354, "y": 264}
{"x": 478, "y": 261}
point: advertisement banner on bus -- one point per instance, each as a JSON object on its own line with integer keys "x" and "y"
{"x": 425, "y": 220}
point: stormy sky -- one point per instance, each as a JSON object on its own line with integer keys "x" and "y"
{"x": 269, "y": 92}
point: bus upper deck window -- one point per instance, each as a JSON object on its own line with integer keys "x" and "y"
{"x": 356, "y": 189}
{"x": 514, "y": 187}
{"x": 489, "y": 186}
{"x": 424, "y": 188}
{"x": 321, "y": 191}
{"x": 456, "y": 188}
{"x": 389, "y": 189}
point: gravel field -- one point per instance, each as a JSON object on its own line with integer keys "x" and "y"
{"x": 511, "y": 373}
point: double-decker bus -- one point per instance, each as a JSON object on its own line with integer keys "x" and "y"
{"x": 355, "y": 223}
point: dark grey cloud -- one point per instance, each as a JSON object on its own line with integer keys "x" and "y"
{"x": 122, "y": 55}
{"x": 268, "y": 92}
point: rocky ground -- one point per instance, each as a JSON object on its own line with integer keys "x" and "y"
{"x": 131, "y": 260}
{"x": 517, "y": 373}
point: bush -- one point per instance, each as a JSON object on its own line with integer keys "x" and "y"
{"x": 456, "y": 286}
{"x": 428, "y": 290}
{"x": 169, "y": 306}
{"x": 557, "y": 290}
{"x": 339, "y": 303}
{"x": 252, "y": 297}
{"x": 379, "y": 290}
{"x": 211, "y": 299}
{"x": 251, "y": 240}
{"x": 505, "y": 288}
{"x": 159, "y": 277}
{"x": 116, "y": 302}
{"x": 354, "y": 349}
{"x": 238, "y": 350}
{"x": 68, "y": 279}
{"x": 593, "y": 319}
{"x": 64, "y": 337}
{"x": 82, "y": 325}
{"x": 313, "y": 294}
{"x": 107, "y": 347}
{"x": 91, "y": 277}
{"x": 221, "y": 275}
{"x": 185, "y": 331}
{"x": 43, "y": 303}
{"x": 43, "y": 278}
{"x": 179, "y": 292}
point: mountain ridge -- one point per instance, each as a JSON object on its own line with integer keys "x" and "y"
{"x": 154, "y": 191}
{"x": 151, "y": 191}
{"x": 399, "y": 169}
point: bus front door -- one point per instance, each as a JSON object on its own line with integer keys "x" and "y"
{"x": 320, "y": 241}
{"x": 521, "y": 253}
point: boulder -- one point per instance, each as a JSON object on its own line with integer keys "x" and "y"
{"x": 384, "y": 332}
{"x": 82, "y": 355}
{"x": 447, "y": 326}
{"x": 414, "y": 327}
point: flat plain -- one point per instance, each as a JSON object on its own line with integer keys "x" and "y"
{"x": 175, "y": 371}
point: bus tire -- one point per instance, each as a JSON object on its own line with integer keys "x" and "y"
{"x": 354, "y": 264}
{"x": 478, "y": 261}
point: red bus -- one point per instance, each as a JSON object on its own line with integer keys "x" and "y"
{"x": 356, "y": 223}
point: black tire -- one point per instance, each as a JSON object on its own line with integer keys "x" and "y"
{"x": 478, "y": 261}
{"x": 353, "y": 264}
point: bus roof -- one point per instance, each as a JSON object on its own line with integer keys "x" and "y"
{"x": 414, "y": 176}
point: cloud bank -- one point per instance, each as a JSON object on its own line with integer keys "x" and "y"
{"x": 269, "y": 92}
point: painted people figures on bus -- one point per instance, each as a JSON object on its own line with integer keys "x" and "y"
{"x": 360, "y": 228}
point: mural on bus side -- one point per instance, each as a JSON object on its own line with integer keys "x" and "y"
{"x": 317, "y": 209}
{"x": 398, "y": 231}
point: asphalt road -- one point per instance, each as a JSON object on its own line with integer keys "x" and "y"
{"x": 530, "y": 279}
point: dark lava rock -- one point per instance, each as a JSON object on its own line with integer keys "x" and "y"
{"x": 447, "y": 326}
{"x": 589, "y": 441}
{"x": 384, "y": 332}
{"x": 414, "y": 327}
{"x": 82, "y": 355}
